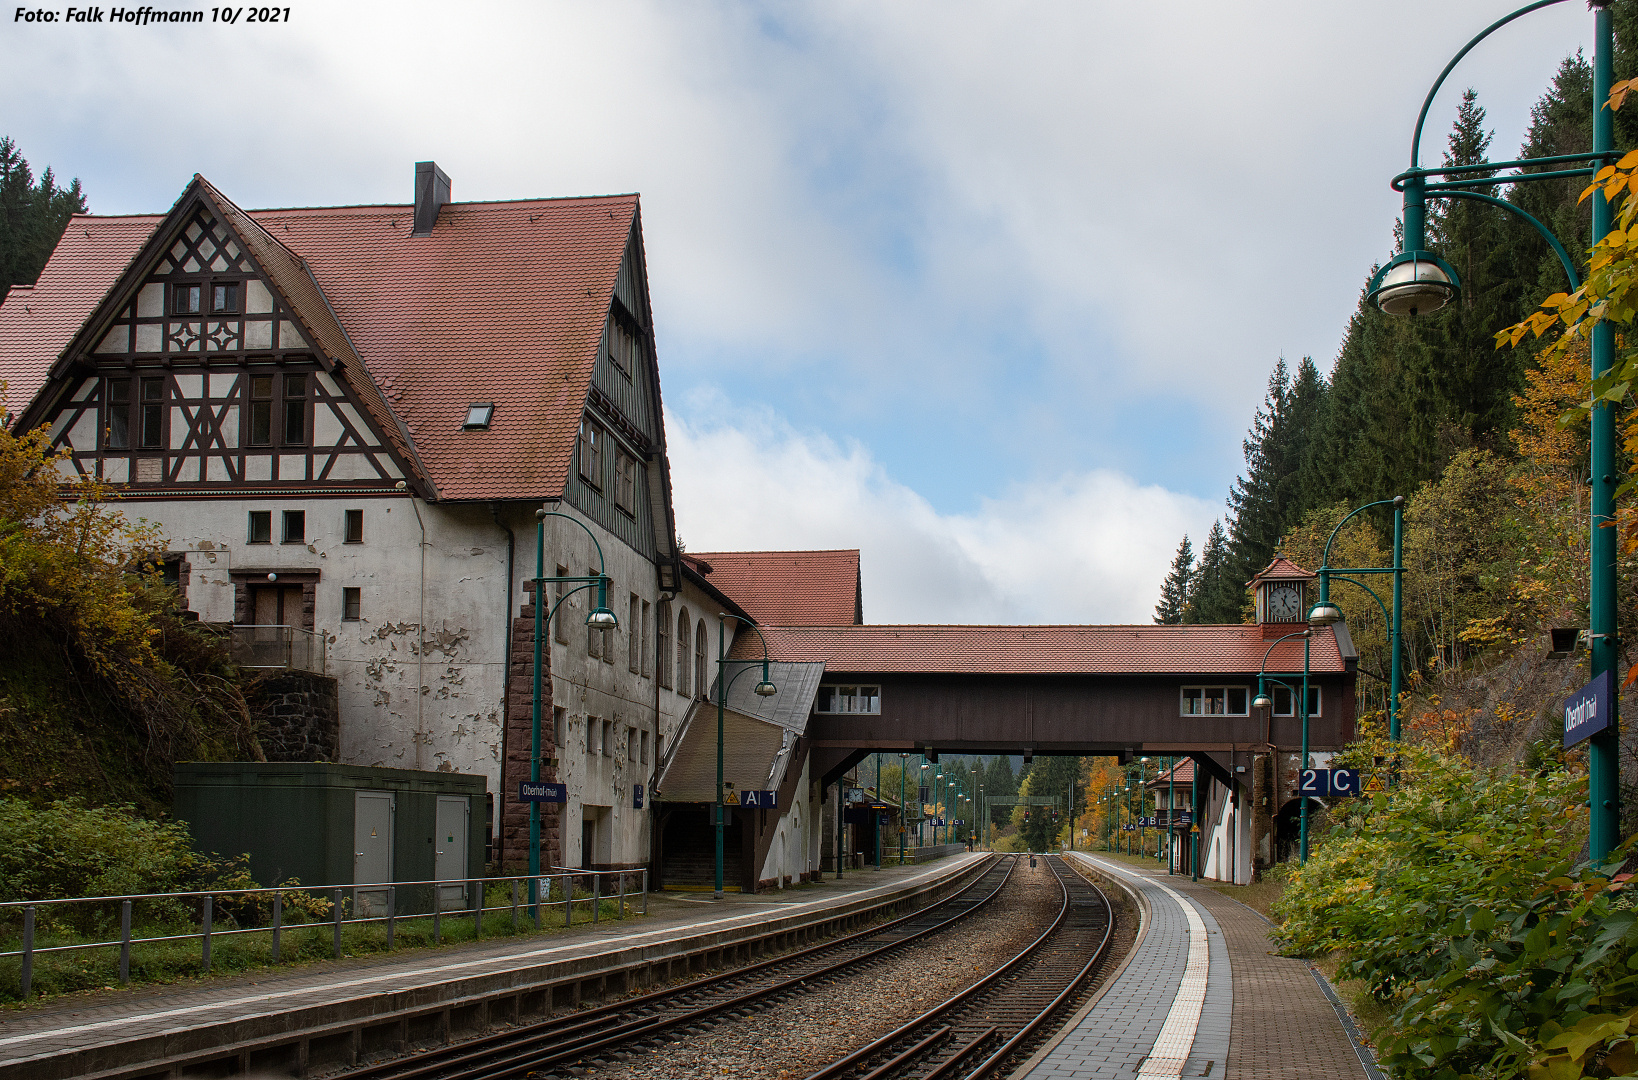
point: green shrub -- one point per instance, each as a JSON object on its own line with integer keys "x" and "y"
{"x": 1456, "y": 898}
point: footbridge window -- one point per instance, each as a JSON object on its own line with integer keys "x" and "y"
{"x": 850, "y": 699}
{"x": 1216, "y": 700}
{"x": 1283, "y": 698}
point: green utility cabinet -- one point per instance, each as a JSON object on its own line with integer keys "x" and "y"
{"x": 328, "y": 824}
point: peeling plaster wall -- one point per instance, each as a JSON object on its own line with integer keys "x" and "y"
{"x": 600, "y": 773}
{"x": 412, "y": 696}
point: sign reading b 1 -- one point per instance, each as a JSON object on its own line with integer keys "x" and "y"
{"x": 1587, "y": 711}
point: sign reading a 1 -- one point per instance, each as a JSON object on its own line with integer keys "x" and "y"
{"x": 1587, "y": 711}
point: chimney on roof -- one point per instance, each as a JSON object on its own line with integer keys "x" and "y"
{"x": 431, "y": 192}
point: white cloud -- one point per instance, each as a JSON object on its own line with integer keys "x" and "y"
{"x": 1086, "y": 548}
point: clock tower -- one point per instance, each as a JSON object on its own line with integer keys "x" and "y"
{"x": 1281, "y": 591}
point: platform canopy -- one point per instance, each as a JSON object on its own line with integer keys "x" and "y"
{"x": 759, "y": 734}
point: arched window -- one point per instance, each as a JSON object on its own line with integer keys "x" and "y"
{"x": 682, "y": 653}
{"x": 662, "y": 652}
{"x": 702, "y": 686}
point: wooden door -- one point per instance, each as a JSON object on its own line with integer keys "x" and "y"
{"x": 276, "y": 605}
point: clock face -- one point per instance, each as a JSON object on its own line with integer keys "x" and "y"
{"x": 1284, "y": 603}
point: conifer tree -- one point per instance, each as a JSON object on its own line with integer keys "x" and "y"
{"x": 1174, "y": 591}
{"x": 33, "y": 216}
{"x": 1216, "y": 595}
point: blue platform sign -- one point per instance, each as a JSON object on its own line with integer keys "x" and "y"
{"x": 1329, "y": 782}
{"x": 1587, "y": 711}
{"x": 760, "y": 800}
{"x": 529, "y": 791}
{"x": 636, "y": 796}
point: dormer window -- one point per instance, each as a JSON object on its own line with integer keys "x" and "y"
{"x": 185, "y": 299}
{"x": 224, "y": 296}
{"x": 478, "y": 415}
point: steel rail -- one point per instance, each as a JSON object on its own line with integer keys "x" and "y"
{"x": 589, "y": 1032}
{"x": 977, "y": 996}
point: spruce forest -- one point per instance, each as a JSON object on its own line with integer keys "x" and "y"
{"x": 1485, "y": 443}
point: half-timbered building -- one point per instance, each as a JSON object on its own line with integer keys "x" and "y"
{"x": 344, "y": 420}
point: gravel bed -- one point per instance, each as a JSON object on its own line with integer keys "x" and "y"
{"x": 798, "y": 1034}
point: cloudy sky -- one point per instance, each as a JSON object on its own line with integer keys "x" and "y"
{"x": 987, "y": 289}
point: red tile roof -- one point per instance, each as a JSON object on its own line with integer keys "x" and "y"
{"x": 504, "y": 302}
{"x": 1281, "y": 568}
{"x": 784, "y": 588}
{"x": 1044, "y": 650}
{"x": 1184, "y": 770}
{"x": 37, "y": 322}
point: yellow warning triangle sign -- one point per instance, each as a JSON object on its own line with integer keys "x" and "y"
{"x": 731, "y": 798}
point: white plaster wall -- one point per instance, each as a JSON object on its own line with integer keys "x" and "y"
{"x": 421, "y": 673}
{"x": 590, "y": 690}
{"x": 788, "y": 852}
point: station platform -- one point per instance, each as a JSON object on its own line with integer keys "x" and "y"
{"x": 1201, "y": 993}
{"x": 335, "y": 1012}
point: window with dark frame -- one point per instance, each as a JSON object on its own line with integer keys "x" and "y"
{"x": 185, "y": 299}
{"x": 118, "y": 427}
{"x": 849, "y": 699}
{"x": 153, "y": 413}
{"x": 350, "y": 604}
{"x": 261, "y": 410}
{"x": 353, "y": 526}
{"x": 662, "y": 644}
{"x": 634, "y": 640}
{"x": 557, "y": 600}
{"x": 295, "y": 409}
{"x": 683, "y": 633}
{"x": 560, "y": 726}
{"x": 261, "y": 527}
{"x": 478, "y": 416}
{"x": 1283, "y": 699}
{"x": 224, "y": 296}
{"x": 295, "y": 527}
{"x": 701, "y": 686}
{"x": 625, "y": 482}
{"x": 591, "y": 453}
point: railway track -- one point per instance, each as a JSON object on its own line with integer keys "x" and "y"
{"x": 632, "y": 1024}
{"x": 1006, "y": 1015}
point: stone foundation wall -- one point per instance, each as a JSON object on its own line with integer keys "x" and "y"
{"x": 514, "y": 815}
{"x": 298, "y": 715}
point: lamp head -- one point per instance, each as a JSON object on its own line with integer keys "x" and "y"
{"x": 1413, "y": 283}
{"x": 765, "y": 689}
{"x": 602, "y": 619}
{"x": 1324, "y": 614}
{"x": 1262, "y": 701}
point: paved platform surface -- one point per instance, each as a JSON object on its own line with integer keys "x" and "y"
{"x": 115, "y": 1016}
{"x": 1203, "y": 995}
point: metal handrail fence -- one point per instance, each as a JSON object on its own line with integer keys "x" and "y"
{"x": 275, "y": 646}
{"x": 560, "y": 882}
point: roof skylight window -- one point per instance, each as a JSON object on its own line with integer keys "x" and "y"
{"x": 478, "y": 416}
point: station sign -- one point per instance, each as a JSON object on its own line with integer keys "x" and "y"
{"x": 532, "y": 791}
{"x": 756, "y": 800}
{"x": 1329, "y": 783}
{"x": 1587, "y": 711}
{"x": 636, "y": 796}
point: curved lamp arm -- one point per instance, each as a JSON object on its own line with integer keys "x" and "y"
{"x": 1558, "y": 248}
{"x": 765, "y": 688}
{"x": 612, "y": 621}
{"x": 1261, "y": 668}
{"x": 1421, "y": 117}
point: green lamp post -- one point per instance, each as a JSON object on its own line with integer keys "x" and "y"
{"x": 599, "y": 618}
{"x": 765, "y": 688}
{"x": 1415, "y": 282}
{"x": 1263, "y": 701}
{"x": 1325, "y": 613}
